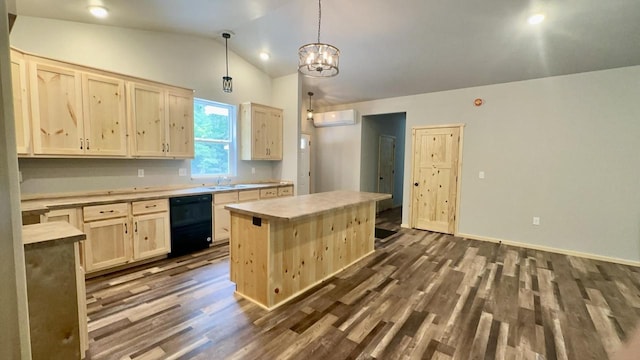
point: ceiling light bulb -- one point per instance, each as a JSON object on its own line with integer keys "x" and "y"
{"x": 264, "y": 56}
{"x": 98, "y": 11}
{"x": 536, "y": 19}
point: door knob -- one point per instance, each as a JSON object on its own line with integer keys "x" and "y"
{"x": 415, "y": 184}
{"x": 381, "y": 178}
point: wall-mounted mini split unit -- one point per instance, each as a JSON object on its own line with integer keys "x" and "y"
{"x": 335, "y": 118}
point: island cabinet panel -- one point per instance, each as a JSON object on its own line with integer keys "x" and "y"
{"x": 298, "y": 254}
{"x": 147, "y": 118}
{"x": 20, "y": 102}
{"x": 105, "y": 124}
{"x": 56, "y": 109}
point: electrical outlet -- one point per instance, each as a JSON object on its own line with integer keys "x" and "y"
{"x": 182, "y": 172}
{"x": 253, "y": 170}
{"x": 481, "y": 175}
{"x": 140, "y": 172}
{"x": 536, "y": 220}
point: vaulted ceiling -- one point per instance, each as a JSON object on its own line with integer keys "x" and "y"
{"x": 394, "y": 48}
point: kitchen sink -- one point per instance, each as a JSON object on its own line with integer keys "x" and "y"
{"x": 221, "y": 187}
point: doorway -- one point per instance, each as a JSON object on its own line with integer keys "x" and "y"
{"x": 304, "y": 168}
{"x": 386, "y": 165}
{"x": 436, "y": 164}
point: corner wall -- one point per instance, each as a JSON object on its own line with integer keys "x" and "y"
{"x": 562, "y": 148}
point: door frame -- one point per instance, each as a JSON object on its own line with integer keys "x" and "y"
{"x": 310, "y": 179}
{"x": 456, "y": 218}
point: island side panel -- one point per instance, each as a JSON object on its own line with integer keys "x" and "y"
{"x": 307, "y": 251}
{"x": 249, "y": 247}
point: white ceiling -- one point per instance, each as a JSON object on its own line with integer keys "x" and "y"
{"x": 394, "y": 48}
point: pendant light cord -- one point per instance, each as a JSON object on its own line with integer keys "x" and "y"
{"x": 319, "y": 18}
{"x": 226, "y": 54}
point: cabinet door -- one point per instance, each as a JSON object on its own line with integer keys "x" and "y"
{"x": 222, "y": 222}
{"x": 260, "y": 119}
{"x": 56, "y": 109}
{"x": 20, "y": 103}
{"x": 179, "y": 137}
{"x": 104, "y": 115}
{"x": 151, "y": 235}
{"x": 274, "y": 135}
{"x": 147, "y": 118}
{"x": 108, "y": 243}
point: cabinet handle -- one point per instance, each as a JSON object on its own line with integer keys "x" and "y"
{"x": 150, "y": 206}
{"x": 167, "y": 147}
{"x": 106, "y": 211}
{"x": 135, "y": 227}
{"x": 81, "y": 144}
{"x": 87, "y": 144}
{"x": 162, "y": 147}
{"x": 126, "y": 228}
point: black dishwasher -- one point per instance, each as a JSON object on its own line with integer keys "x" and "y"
{"x": 191, "y": 228}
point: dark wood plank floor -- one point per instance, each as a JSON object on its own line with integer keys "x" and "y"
{"x": 420, "y": 295}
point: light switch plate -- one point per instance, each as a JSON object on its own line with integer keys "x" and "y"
{"x": 140, "y": 172}
{"x": 536, "y": 220}
{"x": 481, "y": 175}
{"x": 253, "y": 170}
{"x": 182, "y": 172}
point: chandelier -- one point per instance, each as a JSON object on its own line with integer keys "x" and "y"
{"x": 318, "y": 59}
{"x": 227, "y": 81}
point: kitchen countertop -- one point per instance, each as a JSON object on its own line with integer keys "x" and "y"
{"x": 294, "y": 208}
{"x": 43, "y": 204}
{"x": 57, "y": 231}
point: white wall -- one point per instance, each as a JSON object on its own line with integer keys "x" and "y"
{"x": 188, "y": 61}
{"x": 562, "y": 148}
{"x": 337, "y": 158}
{"x": 286, "y": 95}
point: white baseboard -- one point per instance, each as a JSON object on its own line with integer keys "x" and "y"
{"x": 551, "y": 249}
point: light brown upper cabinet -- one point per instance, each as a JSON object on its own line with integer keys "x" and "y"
{"x": 261, "y": 132}
{"x": 20, "y": 102}
{"x": 56, "y": 109}
{"x": 162, "y": 121}
{"x": 105, "y": 123}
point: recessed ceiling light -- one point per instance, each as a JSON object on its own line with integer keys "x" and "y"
{"x": 265, "y": 56}
{"x": 98, "y": 11}
{"x": 535, "y": 19}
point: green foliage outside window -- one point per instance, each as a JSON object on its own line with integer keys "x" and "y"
{"x": 213, "y": 130}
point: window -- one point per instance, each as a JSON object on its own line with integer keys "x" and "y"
{"x": 214, "y": 130}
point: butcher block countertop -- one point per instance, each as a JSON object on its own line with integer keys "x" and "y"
{"x": 57, "y": 231}
{"x": 42, "y": 204}
{"x": 297, "y": 207}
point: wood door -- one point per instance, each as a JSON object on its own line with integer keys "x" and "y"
{"x": 105, "y": 130}
{"x": 386, "y": 165}
{"x": 435, "y": 178}
{"x": 274, "y": 135}
{"x": 260, "y": 119}
{"x": 179, "y": 128}
{"x": 20, "y": 103}
{"x": 151, "y": 234}
{"x": 147, "y": 118}
{"x": 56, "y": 109}
{"x": 108, "y": 243}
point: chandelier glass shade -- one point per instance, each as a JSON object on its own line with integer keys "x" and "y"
{"x": 318, "y": 59}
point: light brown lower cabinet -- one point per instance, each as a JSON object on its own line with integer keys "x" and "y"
{"x": 151, "y": 229}
{"x": 108, "y": 243}
{"x": 221, "y": 216}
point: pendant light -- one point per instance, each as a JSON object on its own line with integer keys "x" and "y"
{"x": 227, "y": 81}
{"x": 318, "y": 59}
{"x": 310, "y": 109}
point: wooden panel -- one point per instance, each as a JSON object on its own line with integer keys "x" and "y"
{"x": 151, "y": 234}
{"x": 104, "y": 115}
{"x": 100, "y": 212}
{"x": 20, "y": 102}
{"x": 249, "y": 195}
{"x": 108, "y": 243}
{"x": 146, "y": 111}
{"x": 53, "y": 301}
{"x": 82, "y": 302}
{"x": 268, "y": 193}
{"x": 435, "y": 171}
{"x": 225, "y": 198}
{"x": 274, "y": 134}
{"x": 260, "y": 132}
{"x": 285, "y": 191}
{"x": 149, "y": 206}
{"x": 221, "y": 222}
{"x": 56, "y": 109}
{"x": 179, "y": 129}
{"x": 300, "y": 254}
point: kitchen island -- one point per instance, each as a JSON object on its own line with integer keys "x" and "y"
{"x": 282, "y": 247}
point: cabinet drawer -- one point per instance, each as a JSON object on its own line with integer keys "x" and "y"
{"x": 268, "y": 193}
{"x": 150, "y": 206}
{"x": 225, "y": 198}
{"x": 285, "y": 191}
{"x": 101, "y": 212}
{"x": 249, "y": 195}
